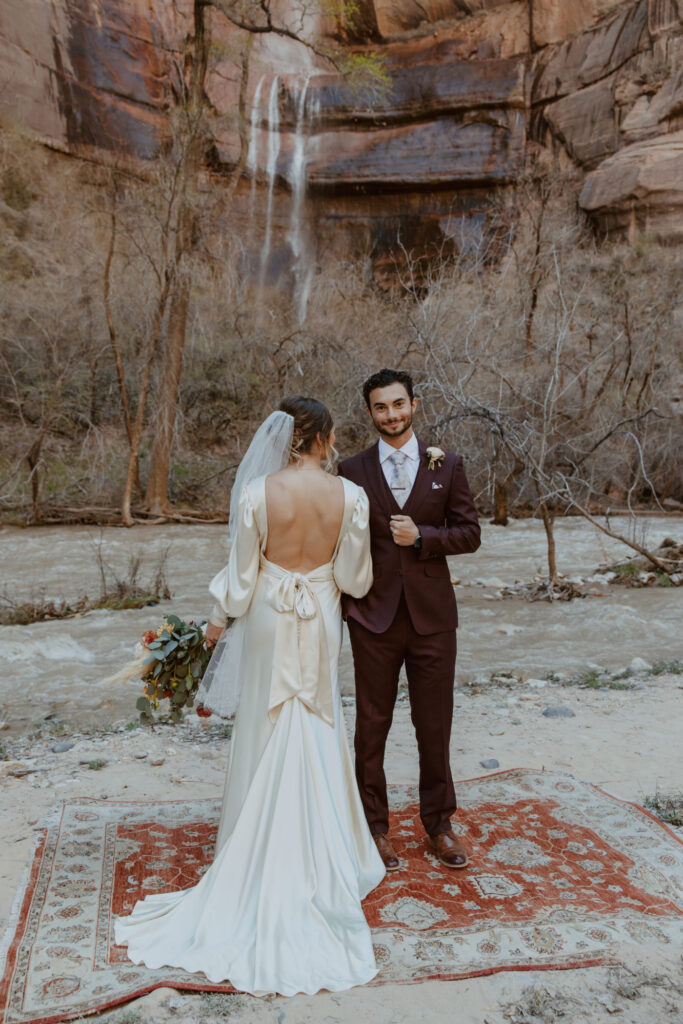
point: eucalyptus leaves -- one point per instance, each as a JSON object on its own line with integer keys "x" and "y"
{"x": 174, "y": 669}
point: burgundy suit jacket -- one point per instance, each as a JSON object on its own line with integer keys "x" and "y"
{"x": 441, "y": 505}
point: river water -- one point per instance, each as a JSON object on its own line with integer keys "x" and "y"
{"x": 58, "y": 667}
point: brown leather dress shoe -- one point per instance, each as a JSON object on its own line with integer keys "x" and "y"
{"x": 449, "y": 850}
{"x": 386, "y": 851}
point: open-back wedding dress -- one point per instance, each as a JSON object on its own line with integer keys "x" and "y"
{"x": 279, "y": 910}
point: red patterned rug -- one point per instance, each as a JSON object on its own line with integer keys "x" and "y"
{"x": 562, "y": 875}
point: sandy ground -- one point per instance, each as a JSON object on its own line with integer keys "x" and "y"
{"x": 625, "y": 740}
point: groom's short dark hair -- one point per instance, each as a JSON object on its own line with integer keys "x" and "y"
{"x": 383, "y": 378}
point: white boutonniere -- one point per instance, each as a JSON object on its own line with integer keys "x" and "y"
{"x": 435, "y": 456}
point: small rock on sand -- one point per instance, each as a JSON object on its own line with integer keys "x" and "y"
{"x": 15, "y": 769}
{"x": 558, "y": 712}
{"x": 490, "y": 763}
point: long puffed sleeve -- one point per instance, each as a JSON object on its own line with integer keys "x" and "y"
{"x": 233, "y": 587}
{"x": 353, "y": 564}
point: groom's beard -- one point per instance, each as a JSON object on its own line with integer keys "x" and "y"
{"x": 396, "y": 429}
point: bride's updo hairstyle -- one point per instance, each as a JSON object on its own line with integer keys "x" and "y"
{"x": 311, "y": 418}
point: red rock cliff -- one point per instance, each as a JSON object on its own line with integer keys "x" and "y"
{"x": 476, "y": 85}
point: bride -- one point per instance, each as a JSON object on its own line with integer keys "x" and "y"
{"x": 279, "y": 910}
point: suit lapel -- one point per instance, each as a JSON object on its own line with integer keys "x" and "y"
{"x": 422, "y": 485}
{"x": 377, "y": 485}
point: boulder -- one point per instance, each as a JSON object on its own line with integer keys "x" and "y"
{"x": 640, "y": 188}
{"x": 586, "y": 123}
{"x": 587, "y": 58}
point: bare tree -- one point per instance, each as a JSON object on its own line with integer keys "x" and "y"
{"x": 586, "y": 402}
{"x": 39, "y": 364}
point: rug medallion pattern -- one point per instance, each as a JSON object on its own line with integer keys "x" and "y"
{"x": 562, "y": 875}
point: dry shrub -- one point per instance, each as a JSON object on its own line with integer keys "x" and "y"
{"x": 539, "y": 349}
{"x": 141, "y": 584}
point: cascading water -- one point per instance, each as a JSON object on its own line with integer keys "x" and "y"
{"x": 298, "y": 175}
{"x": 299, "y": 241}
{"x": 271, "y": 170}
{"x": 253, "y": 154}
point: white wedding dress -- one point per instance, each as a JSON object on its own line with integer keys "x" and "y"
{"x": 279, "y": 910}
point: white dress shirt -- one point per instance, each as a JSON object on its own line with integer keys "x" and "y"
{"x": 412, "y": 463}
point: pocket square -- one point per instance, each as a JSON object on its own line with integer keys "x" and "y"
{"x": 435, "y": 486}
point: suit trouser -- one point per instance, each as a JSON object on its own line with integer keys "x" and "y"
{"x": 430, "y": 667}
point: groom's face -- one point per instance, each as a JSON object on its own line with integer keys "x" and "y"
{"x": 392, "y": 410}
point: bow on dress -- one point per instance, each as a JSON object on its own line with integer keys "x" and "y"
{"x": 301, "y": 664}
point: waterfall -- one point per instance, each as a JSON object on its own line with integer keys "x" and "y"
{"x": 299, "y": 242}
{"x": 271, "y": 169}
{"x": 298, "y": 237}
{"x": 307, "y": 271}
{"x": 252, "y": 154}
{"x": 298, "y": 174}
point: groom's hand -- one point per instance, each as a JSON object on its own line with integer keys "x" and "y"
{"x": 403, "y": 530}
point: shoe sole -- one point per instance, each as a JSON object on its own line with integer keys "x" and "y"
{"x": 453, "y": 867}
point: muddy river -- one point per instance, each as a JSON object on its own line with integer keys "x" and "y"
{"x": 58, "y": 666}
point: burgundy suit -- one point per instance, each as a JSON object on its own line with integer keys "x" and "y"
{"x": 409, "y": 616}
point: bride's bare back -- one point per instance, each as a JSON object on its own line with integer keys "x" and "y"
{"x": 305, "y": 509}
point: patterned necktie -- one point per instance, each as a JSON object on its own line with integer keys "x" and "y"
{"x": 400, "y": 483}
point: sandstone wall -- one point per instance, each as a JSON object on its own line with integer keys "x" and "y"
{"x": 477, "y": 85}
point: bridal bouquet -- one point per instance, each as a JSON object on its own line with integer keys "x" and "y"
{"x": 173, "y": 661}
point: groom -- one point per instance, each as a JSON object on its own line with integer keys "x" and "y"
{"x": 421, "y": 510}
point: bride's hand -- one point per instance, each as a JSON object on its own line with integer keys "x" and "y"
{"x": 213, "y": 634}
